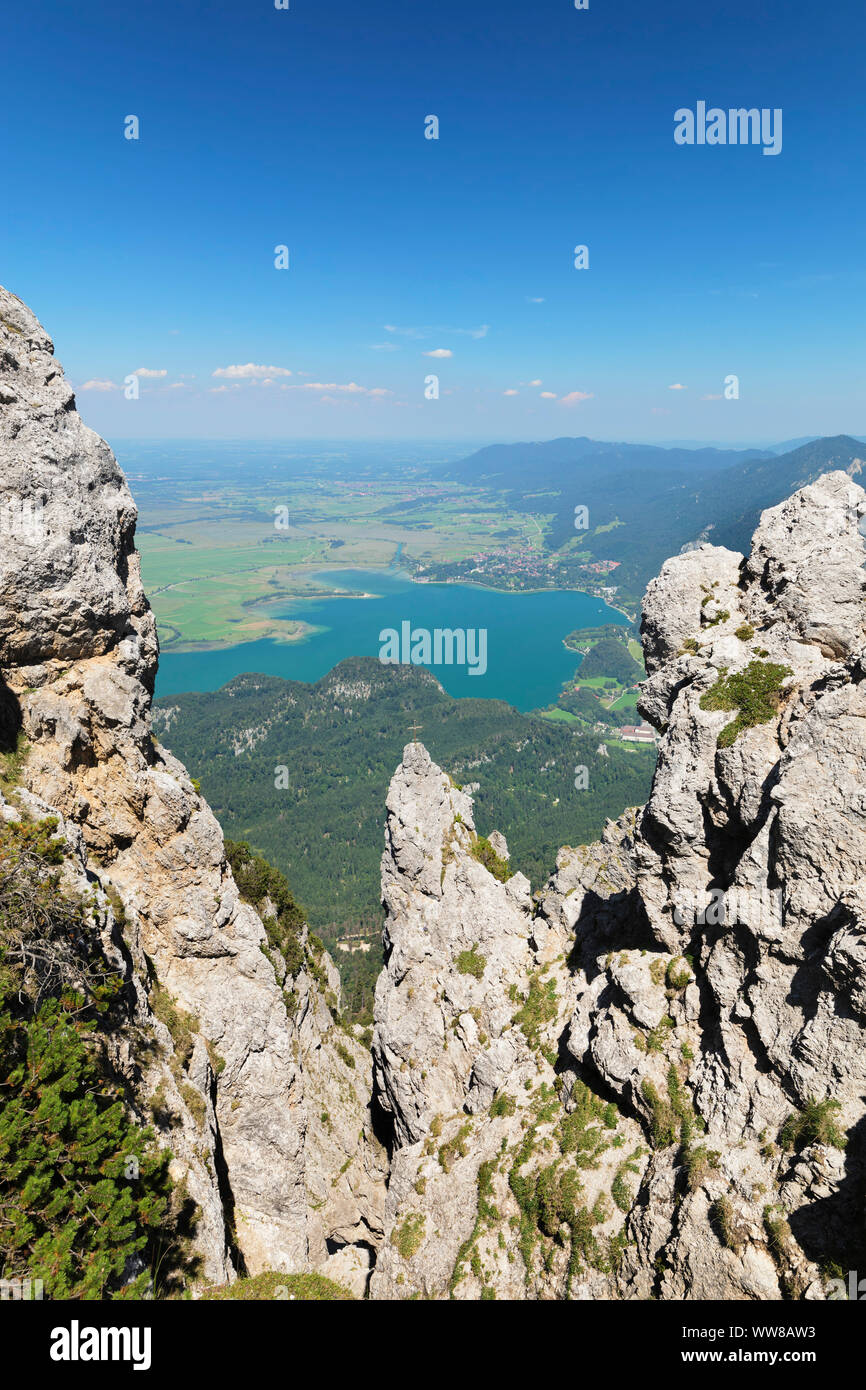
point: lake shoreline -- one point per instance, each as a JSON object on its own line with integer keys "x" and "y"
{"x": 293, "y": 639}
{"x": 527, "y": 676}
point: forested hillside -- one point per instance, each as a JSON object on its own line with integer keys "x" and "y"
{"x": 610, "y": 657}
{"x": 647, "y": 503}
{"x": 339, "y": 741}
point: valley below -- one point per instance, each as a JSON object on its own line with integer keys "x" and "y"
{"x": 596, "y": 1031}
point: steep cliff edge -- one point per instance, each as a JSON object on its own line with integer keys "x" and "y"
{"x": 645, "y": 1080}
{"x": 239, "y": 1076}
{"x": 649, "y": 1080}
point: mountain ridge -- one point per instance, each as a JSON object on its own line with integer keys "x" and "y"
{"x": 643, "y": 1080}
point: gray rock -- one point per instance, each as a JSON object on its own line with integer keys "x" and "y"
{"x": 78, "y": 654}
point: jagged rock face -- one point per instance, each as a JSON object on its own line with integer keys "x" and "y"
{"x": 775, "y": 826}
{"x": 750, "y": 858}
{"x": 69, "y": 576}
{"x": 702, "y": 969}
{"x": 456, "y": 940}
{"x": 470, "y": 1007}
{"x": 709, "y": 959}
{"x": 78, "y": 654}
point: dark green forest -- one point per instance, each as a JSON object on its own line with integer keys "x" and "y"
{"x": 321, "y": 821}
{"x": 610, "y": 657}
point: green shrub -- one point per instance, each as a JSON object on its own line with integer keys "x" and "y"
{"x": 83, "y": 1188}
{"x": 455, "y": 1147}
{"x": 754, "y": 693}
{"x": 310, "y": 1288}
{"x": 657, "y": 1037}
{"x": 483, "y": 851}
{"x": 778, "y": 1232}
{"x": 620, "y": 1190}
{"x": 180, "y": 1024}
{"x": 672, "y": 1116}
{"x": 195, "y": 1102}
{"x": 814, "y": 1124}
{"x": 582, "y": 1133}
{"x": 663, "y": 1125}
{"x": 677, "y": 977}
{"x": 722, "y": 1222}
{"x": 721, "y": 617}
{"x": 267, "y": 890}
{"x": 539, "y": 1008}
{"x": 407, "y": 1237}
{"x": 471, "y": 963}
{"x": 12, "y": 764}
{"x": 485, "y": 1214}
{"x": 698, "y": 1162}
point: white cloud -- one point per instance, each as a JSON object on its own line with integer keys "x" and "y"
{"x": 349, "y": 388}
{"x": 266, "y": 377}
{"x": 536, "y": 382}
{"x": 384, "y": 347}
{"x": 574, "y": 397}
{"x": 548, "y": 395}
{"x": 677, "y": 386}
{"x": 439, "y": 352}
{"x": 711, "y": 398}
{"x": 150, "y": 371}
{"x": 97, "y": 385}
{"x": 177, "y": 386}
{"x": 248, "y": 371}
{"x": 530, "y": 299}
{"x": 511, "y": 392}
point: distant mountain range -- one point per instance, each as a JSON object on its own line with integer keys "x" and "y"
{"x": 656, "y": 501}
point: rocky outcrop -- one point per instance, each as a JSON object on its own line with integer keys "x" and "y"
{"x": 750, "y": 860}
{"x": 646, "y": 1080}
{"x": 237, "y": 1068}
{"x": 470, "y": 1009}
{"x": 700, "y": 972}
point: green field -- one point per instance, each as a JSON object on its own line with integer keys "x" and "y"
{"x": 215, "y": 564}
{"x": 627, "y": 701}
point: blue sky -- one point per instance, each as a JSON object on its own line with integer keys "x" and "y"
{"x": 305, "y": 127}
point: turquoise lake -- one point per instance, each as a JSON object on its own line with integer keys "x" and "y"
{"x": 526, "y": 661}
